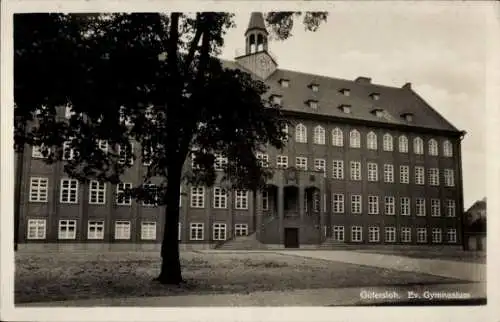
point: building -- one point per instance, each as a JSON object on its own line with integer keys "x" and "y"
{"x": 475, "y": 226}
{"x": 365, "y": 164}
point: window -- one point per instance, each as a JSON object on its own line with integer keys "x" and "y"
{"x": 371, "y": 141}
{"x": 263, "y": 160}
{"x": 419, "y": 175}
{"x": 121, "y": 198}
{"x": 433, "y": 174}
{"x": 355, "y": 170}
{"x": 390, "y": 205}
{"x": 451, "y": 235}
{"x": 301, "y": 163}
{"x": 337, "y": 137}
{"x": 95, "y": 229}
{"x": 197, "y": 197}
{"x": 450, "y": 208}
{"x": 282, "y": 161}
{"x": 435, "y": 207}
{"x": 447, "y": 149}
{"x": 125, "y": 154}
{"x": 179, "y": 231}
{"x": 405, "y": 206}
{"x": 69, "y": 191}
{"x": 39, "y": 189}
{"x": 390, "y": 234}
{"x": 338, "y": 203}
{"x": 418, "y": 146}
{"x": 241, "y": 199}
{"x": 37, "y": 151}
{"x": 372, "y": 172}
{"x": 355, "y": 139}
{"x": 102, "y": 145}
{"x": 421, "y": 235}
{"x": 219, "y": 231}
{"x": 196, "y": 231}
{"x": 449, "y": 179}
{"x": 151, "y": 193}
{"x": 320, "y": 165}
{"x": 373, "y": 208}
{"x": 420, "y": 206}
{"x": 265, "y": 200}
{"x": 122, "y": 229}
{"x": 403, "y": 144}
{"x": 284, "y": 83}
{"x": 356, "y": 233}
{"x": 375, "y": 96}
{"x": 319, "y": 135}
{"x": 36, "y": 229}
{"x": 240, "y": 230}
{"x": 277, "y": 99}
{"x": 356, "y": 204}
{"x": 373, "y": 234}
{"x": 338, "y": 169}
{"x": 124, "y": 118}
{"x": 338, "y": 233}
{"x": 148, "y": 230}
{"x": 97, "y": 192}
{"x": 387, "y": 142}
{"x": 388, "y": 173}
{"x": 404, "y": 174}
{"x": 220, "y": 198}
{"x": 315, "y": 88}
{"x": 437, "y": 235}
{"x": 220, "y": 162}
{"x": 406, "y": 234}
{"x": 345, "y": 91}
{"x": 433, "y": 147}
{"x": 300, "y": 133}
{"x": 68, "y": 112}
{"x": 68, "y": 151}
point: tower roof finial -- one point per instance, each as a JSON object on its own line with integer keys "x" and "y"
{"x": 256, "y": 22}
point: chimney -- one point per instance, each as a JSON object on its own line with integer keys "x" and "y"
{"x": 407, "y": 86}
{"x": 363, "y": 80}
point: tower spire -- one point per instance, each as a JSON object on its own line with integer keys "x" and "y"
{"x": 256, "y": 34}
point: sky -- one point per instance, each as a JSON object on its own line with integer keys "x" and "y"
{"x": 439, "y": 48}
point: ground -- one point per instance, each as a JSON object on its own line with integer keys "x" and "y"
{"x": 436, "y": 253}
{"x": 68, "y": 276}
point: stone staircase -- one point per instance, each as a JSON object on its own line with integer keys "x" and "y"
{"x": 249, "y": 242}
{"x": 331, "y": 243}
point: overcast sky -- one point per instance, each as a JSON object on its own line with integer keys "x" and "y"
{"x": 439, "y": 48}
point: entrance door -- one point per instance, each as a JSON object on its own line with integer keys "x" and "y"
{"x": 291, "y": 238}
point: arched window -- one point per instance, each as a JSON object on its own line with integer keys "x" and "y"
{"x": 433, "y": 147}
{"x": 418, "y": 145}
{"x": 337, "y": 137}
{"x": 388, "y": 144}
{"x": 403, "y": 144}
{"x": 447, "y": 149}
{"x": 301, "y": 133}
{"x": 371, "y": 141}
{"x": 355, "y": 139}
{"x": 319, "y": 135}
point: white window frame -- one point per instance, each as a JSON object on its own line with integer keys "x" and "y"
{"x": 220, "y": 161}
{"x": 72, "y": 191}
{"x": 419, "y": 175}
{"x": 68, "y": 112}
{"x": 148, "y": 230}
{"x": 320, "y": 165}
{"x": 154, "y": 188}
{"x": 97, "y": 192}
{"x": 338, "y": 203}
{"x": 390, "y": 205}
{"x": 451, "y": 235}
{"x": 371, "y": 141}
{"x": 420, "y": 207}
{"x": 404, "y": 174}
{"x": 437, "y": 235}
{"x": 449, "y": 177}
{"x": 388, "y": 143}
{"x": 36, "y": 152}
{"x": 120, "y": 188}
{"x": 337, "y": 137}
{"x": 263, "y": 160}
{"x": 282, "y": 161}
{"x": 338, "y": 169}
{"x": 373, "y": 234}
{"x": 39, "y": 189}
{"x": 435, "y": 207}
{"x": 433, "y": 174}
{"x": 197, "y": 199}
{"x": 220, "y": 198}
{"x": 38, "y": 226}
{"x": 418, "y": 146}
{"x": 447, "y": 149}
{"x": 338, "y": 233}
{"x": 241, "y": 199}
{"x": 406, "y": 234}
{"x": 405, "y": 206}
{"x": 123, "y": 155}
{"x": 122, "y": 230}
{"x": 433, "y": 147}
{"x": 68, "y": 153}
{"x": 300, "y": 133}
{"x": 450, "y": 208}
{"x": 103, "y": 146}
{"x": 301, "y": 163}
{"x": 355, "y": 167}
{"x": 372, "y": 171}
{"x": 357, "y": 234}
{"x": 356, "y": 204}
{"x": 64, "y": 229}
{"x": 319, "y": 135}
{"x": 390, "y": 234}
{"x": 355, "y": 139}
{"x": 198, "y": 230}
{"x": 421, "y": 235}
{"x": 95, "y": 229}
{"x": 373, "y": 205}
{"x": 219, "y": 231}
{"x": 403, "y": 144}
{"x": 388, "y": 173}
{"x": 240, "y": 230}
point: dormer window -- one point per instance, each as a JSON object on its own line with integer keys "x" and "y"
{"x": 314, "y": 87}
{"x": 345, "y": 91}
{"x": 407, "y": 116}
{"x": 375, "y": 96}
{"x": 277, "y": 99}
{"x": 345, "y": 108}
{"x": 285, "y": 83}
{"x": 378, "y": 112}
{"x": 312, "y": 104}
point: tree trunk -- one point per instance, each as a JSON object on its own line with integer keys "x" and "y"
{"x": 171, "y": 267}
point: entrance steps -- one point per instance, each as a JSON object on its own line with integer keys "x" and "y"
{"x": 249, "y": 242}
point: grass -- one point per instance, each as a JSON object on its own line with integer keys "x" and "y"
{"x": 69, "y": 276}
{"x": 438, "y": 253}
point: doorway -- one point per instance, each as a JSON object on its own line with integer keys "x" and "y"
{"x": 291, "y": 238}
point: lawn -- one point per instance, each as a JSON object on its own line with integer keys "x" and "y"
{"x": 447, "y": 254}
{"x": 70, "y": 276}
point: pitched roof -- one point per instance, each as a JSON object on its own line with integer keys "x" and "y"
{"x": 256, "y": 22}
{"x": 394, "y": 101}
{"x": 478, "y": 206}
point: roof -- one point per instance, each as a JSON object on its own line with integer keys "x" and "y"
{"x": 256, "y": 22}
{"x": 394, "y": 101}
{"x": 478, "y": 206}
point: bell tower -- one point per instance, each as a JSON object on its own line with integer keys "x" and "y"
{"x": 256, "y": 34}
